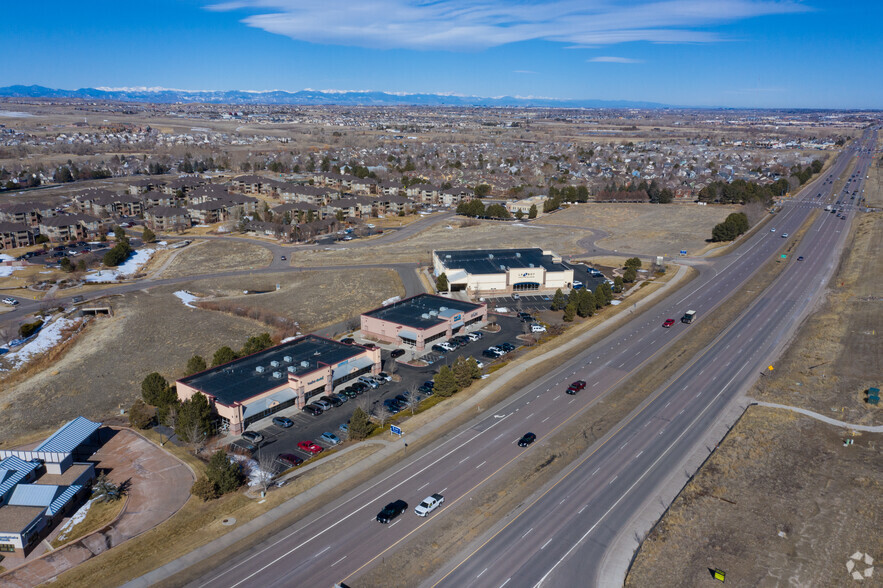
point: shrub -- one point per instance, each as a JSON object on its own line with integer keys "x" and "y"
{"x": 360, "y": 425}
{"x": 226, "y": 475}
{"x": 140, "y": 415}
{"x": 205, "y": 489}
{"x": 28, "y": 329}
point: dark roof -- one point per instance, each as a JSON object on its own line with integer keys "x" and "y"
{"x": 251, "y": 179}
{"x": 495, "y": 261}
{"x": 422, "y": 311}
{"x": 163, "y": 211}
{"x": 6, "y": 227}
{"x": 239, "y": 380}
{"x": 64, "y": 220}
{"x": 293, "y": 206}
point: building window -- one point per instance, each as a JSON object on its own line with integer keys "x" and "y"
{"x": 269, "y": 411}
{"x": 434, "y": 337}
{"x": 7, "y": 548}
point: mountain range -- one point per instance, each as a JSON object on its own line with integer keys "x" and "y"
{"x": 307, "y": 97}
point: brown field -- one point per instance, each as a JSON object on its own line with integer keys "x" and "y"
{"x": 312, "y": 298}
{"x": 656, "y": 229}
{"x": 781, "y": 502}
{"x": 206, "y": 257}
{"x": 150, "y": 331}
{"x": 837, "y": 353}
{"x": 484, "y": 234}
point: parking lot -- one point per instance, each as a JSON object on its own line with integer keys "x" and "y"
{"x": 310, "y": 428}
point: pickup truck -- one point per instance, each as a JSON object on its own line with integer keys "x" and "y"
{"x": 429, "y": 504}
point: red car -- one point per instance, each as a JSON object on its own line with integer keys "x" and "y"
{"x": 289, "y": 459}
{"x": 578, "y": 385}
{"x": 668, "y": 323}
{"x": 310, "y": 447}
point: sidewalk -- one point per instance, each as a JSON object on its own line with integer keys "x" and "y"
{"x": 821, "y": 417}
{"x": 392, "y": 448}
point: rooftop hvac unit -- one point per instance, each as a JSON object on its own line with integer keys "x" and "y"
{"x": 260, "y": 369}
{"x": 530, "y": 265}
{"x": 305, "y": 363}
{"x": 517, "y": 254}
{"x": 442, "y": 308}
{"x": 277, "y": 375}
{"x": 490, "y": 255}
{"x": 291, "y": 369}
{"x": 274, "y": 363}
{"x": 433, "y": 313}
{"x": 502, "y": 267}
{"x": 425, "y": 315}
{"x": 287, "y": 359}
{"x": 448, "y": 256}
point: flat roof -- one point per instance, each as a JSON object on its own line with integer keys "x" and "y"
{"x": 422, "y": 311}
{"x": 239, "y": 380}
{"x": 69, "y": 476}
{"x": 496, "y": 261}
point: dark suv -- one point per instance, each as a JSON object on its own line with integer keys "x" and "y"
{"x": 391, "y": 511}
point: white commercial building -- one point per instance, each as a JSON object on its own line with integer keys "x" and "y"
{"x": 502, "y": 271}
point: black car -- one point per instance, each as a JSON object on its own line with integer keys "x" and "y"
{"x": 439, "y": 349}
{"x": 359, "y": 387}
{"x": 527, "y": 439}
{"x": 402, "y": 399}
{"x": 335, "y": 402}
{"x": 507, "y": 347}
{"x": 348, "y": 340}
{"x": 391, "y": 511}
{"x": 425, "y": 390}
{"x": 283, "y": 422}
{"x": 313, "y": 409}
{"x": 397, "y": 353}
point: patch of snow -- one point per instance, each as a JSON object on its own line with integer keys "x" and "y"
{"x": 48, "y": 337}
{"x": 287, "y": 339}
{"x": 6, "y": 270}
{"x": 128, "y": 268}
{"x": 76, "y": 519}
{"x": 187, "y": 298}
{"x": 252, "y": 470}
{"x": 5, "y": 257}
{"x": 615, "y": 302}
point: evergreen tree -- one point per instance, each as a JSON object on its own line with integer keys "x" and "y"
{"x": 196, "y": 364}
{"x": 558, "y": 301}
{"x": 462, "y": 373}
{"x": 153, "y": 388}
{"x": 532, "y": 213}
{"x": 441, "y": 283}
{"x": 586, "y": 305}
{"x": 226, "y": 475}
{"x": 570, "y": 311}
{"x": 617, "y": 284}
{"x": 360, "y": 425}
{"x": 148, "y": 236}
{"x": 255, "y": 344}
{"x": 445, "y": 382}
{"x": 629, "y": 275}
{"x": 223, "y": 355}
{"x": 194, "y": 418}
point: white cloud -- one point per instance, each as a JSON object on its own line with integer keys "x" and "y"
{"x": 610, "y": 59}
{"x": 460, "y": 25}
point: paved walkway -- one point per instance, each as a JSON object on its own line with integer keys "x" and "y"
{"x": 159, "y": 485}
{"x": 821, "y": 417}
{"x": 391, "y": 448}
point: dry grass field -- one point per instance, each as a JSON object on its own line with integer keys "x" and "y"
{"x": 655, "y": 229}
{"x": 781, "y": 502}
{"x": 312, "y": 298}
{"x": 207, "y": 257}
{"x": 103, "y": 369}
{"x": 484, "y": 234}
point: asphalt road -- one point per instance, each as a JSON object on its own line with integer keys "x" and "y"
{"x": 549, "y": 538}
{"x": 564, "y": 533}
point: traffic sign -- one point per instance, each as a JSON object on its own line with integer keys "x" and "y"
{"x": 395, "y": 430}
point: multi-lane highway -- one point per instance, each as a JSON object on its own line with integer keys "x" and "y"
{"x": 548, "y": 539}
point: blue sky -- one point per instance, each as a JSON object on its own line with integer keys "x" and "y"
{"x": 752, "y": 53}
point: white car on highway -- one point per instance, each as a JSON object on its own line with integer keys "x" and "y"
{"x": 429, "y": 504}
{"x": 10, "y": 301}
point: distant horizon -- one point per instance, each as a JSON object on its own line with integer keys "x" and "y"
{"x": 566, "y": 103}
{"x": 744, "y": 54}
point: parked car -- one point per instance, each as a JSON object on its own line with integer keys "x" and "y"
{"x": 369, "y": 381}
{"x": 335, "y": 402}
{"x": 323, "y": 404}
{"x": 527, "y": 439}
{"x": 668, "y": 323}
{"x": 310, "y": 447}
{"x": 391, "y": 511}
{"x": 348, "y": 340}
{"x": 507, "y": 347}
{"x": 384, "y": 376}
{"x": 475, "y": 336}
{"x": 800, "y": 258}
{"x": 313, "y": 409}
{"x": 360, "y": 387}
{"x": 289, "y": 459}
{"x": 447, "y": 346}
{"x": 283, "y": 422}
{"x": 243, "y": 447}
{"x": 784, "y": 235}
{"x": 253, "y": 437}
{"x": 425, "y": 390}
{"x": 439, "y": 349}
{"x": 537, "y": 328}
{"x": 429, "y": 504}
{"x": 341, "y": 397}
{"x": 330, "y": 438}
{"x": 350, "y": 392}
{"x": 396, "y": 353}
{"x": 345, "y": 427}
{"x": 402, "y": 399}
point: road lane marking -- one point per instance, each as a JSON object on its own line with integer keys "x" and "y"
{"x": 481, "y": 464}
{"x": 596, "y": 471}
{"x": 546, "y": 543}
{"x": 423, "y": 486}
{"x": 326, "y": 549}
{"x": 465, "y": 458}
{"x": 528, "y": 533}
{"x": 338, "y": 561}
{"x": 506, "y": 582}
{"x": 479, "y": 575}
{"x": 639, "y": 454}
{"x": 613, "y": 480}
